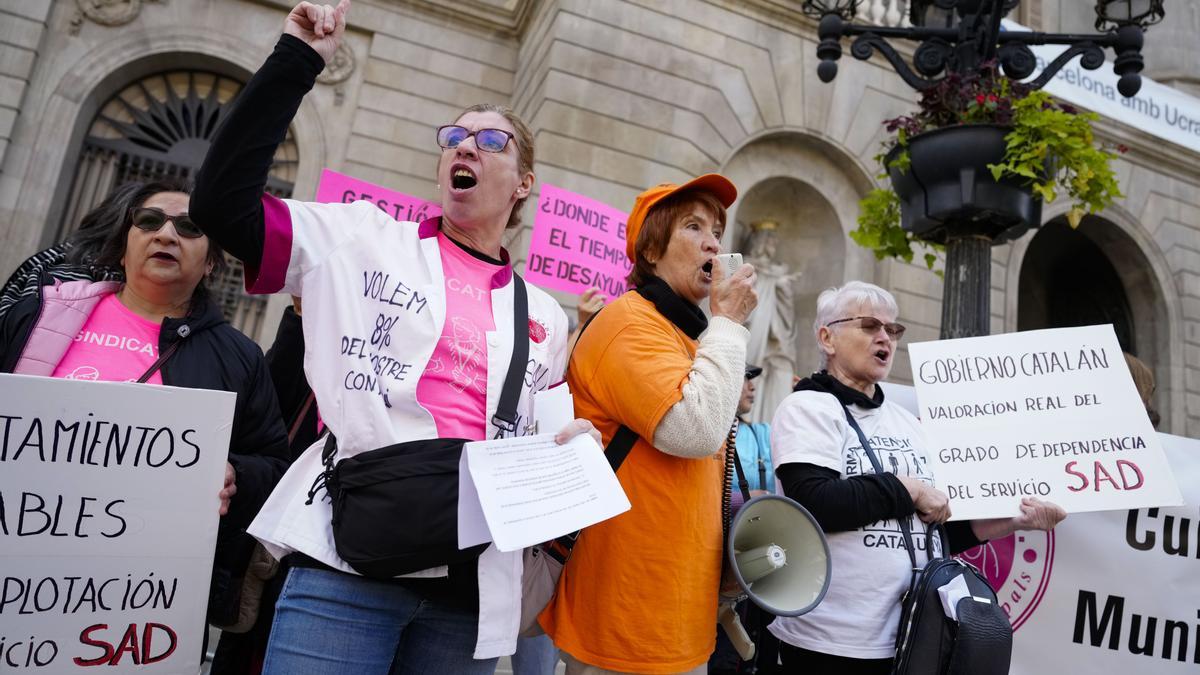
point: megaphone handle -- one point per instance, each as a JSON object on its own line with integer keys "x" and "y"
{"x": 738, "y": 637}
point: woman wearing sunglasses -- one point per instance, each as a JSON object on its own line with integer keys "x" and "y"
{"x": 820, "y": 463}
{"x": 160, "y": 327}
{"x": 408, "y": 331}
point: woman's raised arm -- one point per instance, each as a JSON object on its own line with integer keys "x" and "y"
{"x": 227, "y": 202}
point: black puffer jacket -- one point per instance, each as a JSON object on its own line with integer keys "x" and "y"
{"x": 212, "y": 355}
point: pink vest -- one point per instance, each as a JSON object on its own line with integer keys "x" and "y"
{"x": 65, "y": 308}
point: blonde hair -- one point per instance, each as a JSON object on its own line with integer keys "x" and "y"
{"x": 522, "y": 136}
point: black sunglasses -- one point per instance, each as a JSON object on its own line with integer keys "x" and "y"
{"x": 870, "y": 325}
{"x": 488, "y": 140}
{"x": 150, "y": 219}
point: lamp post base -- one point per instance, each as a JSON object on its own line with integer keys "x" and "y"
{"x": 966, "y": 297}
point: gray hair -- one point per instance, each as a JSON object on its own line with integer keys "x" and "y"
{"x": 835, "y": 302}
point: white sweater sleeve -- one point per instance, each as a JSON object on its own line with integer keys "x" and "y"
{"x": 696, "y": 426}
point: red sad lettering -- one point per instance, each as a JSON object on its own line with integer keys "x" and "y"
{"x": 142, "y": 653}
{"x": 1101, "y": 475}
{"x": 85, "y": 637}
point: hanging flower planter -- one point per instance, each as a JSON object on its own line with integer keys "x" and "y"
{"x": 980, "y": 158}
{"x": 948, "y": 186}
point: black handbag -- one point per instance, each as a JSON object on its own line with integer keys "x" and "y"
{"x": 927, "y": 641}
{"x": 395, "y": 509}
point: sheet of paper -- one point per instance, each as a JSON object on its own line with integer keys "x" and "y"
{"x": 472, "y": 526}
{"x": 532, "y": 490}
{"x": 553, "y": 409}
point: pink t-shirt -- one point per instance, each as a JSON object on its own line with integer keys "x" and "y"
{"x": 453, "y": 387}
{"x": 114, "y": 345}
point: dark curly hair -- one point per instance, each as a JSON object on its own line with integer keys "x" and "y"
{"x": 114, "y": 218}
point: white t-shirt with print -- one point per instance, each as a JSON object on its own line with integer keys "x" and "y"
{"x": 870, "y": 565}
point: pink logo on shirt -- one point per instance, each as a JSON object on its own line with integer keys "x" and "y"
{"x": 537, "y": 331}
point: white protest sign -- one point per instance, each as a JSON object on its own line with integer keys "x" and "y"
{"x": 108, "y": 520}
{"x": 1108, "y": 592}
{"x": 1051, "y": 414}
{"x": 531, "y": 489}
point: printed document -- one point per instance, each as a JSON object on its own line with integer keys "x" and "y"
{"x": 523, "y": 491}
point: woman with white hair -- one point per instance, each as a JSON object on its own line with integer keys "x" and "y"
{"x": 821, "y": 464}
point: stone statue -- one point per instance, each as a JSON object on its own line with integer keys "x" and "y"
{"x": 773, "y": 324}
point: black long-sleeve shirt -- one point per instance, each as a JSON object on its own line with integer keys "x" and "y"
{"x": 847, "y": 504}
{"x": 227, "y": 200}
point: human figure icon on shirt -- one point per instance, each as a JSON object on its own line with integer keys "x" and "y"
{"x": 467, "y": 356}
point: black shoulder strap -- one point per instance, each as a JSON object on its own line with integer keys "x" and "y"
{"x": 619, "y": 446}
{"x": 617, "y": 450}
{"x": 875, "y": 464}
{"x": 506, "y": 409}
{"x": 183, "y": 332}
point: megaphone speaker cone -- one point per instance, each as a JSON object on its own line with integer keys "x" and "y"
{"x": 779, "y": 555}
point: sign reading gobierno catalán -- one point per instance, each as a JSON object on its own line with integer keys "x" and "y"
{"x": 1051, "y": 414}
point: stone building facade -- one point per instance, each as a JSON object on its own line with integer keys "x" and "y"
{"x": 621, "y": 94}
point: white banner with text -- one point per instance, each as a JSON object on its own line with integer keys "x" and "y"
{"x": 1109, "y": 592}
{"x": 1156, "y": 109}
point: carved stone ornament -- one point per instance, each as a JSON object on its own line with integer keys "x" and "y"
{"x": 105, "y": 12}
{"x": 340, "y": 68}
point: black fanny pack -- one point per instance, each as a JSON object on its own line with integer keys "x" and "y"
{"x": 395, "y": 509}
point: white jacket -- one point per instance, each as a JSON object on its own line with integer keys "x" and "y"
{"x": 374, "y": 308}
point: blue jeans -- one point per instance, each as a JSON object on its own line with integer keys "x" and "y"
{"x": 328, "y": 623}
{"x": 535, "y": 656}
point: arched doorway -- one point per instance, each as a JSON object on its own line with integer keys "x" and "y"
{"x": 161, "y": 125}
{"x": 1096, "y": 274}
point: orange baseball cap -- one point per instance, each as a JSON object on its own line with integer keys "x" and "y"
{"x": 718, "y": 185}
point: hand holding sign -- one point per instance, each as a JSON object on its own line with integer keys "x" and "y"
{"x": 228, "y": 490}
{"x": 590, "y": 302}
{"x": 931, "y": 504}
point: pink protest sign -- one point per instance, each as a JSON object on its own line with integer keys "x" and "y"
{"x": 577, "y": 243}
{"x": 337, "y": 188}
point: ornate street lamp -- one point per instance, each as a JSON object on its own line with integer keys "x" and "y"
{"x": 957, "y": 36}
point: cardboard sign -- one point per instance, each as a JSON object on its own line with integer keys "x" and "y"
{"x": 1051, "y": 414}
{"x": 108, "y": 520}
{"x": 337, "y": 188}
{"x": 577, "y": 243}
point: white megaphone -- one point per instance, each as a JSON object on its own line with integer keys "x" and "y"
{"x": 779, "y": 555}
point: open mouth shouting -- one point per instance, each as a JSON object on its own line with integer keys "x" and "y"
{"x": 707, "y": 269}
{"x": 882, "y": 355}
{"x": 462, "y": 178}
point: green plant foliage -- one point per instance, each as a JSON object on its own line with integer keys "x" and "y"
{"x": 1043, "y": 130}
{"x": 1044, "y": 134}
